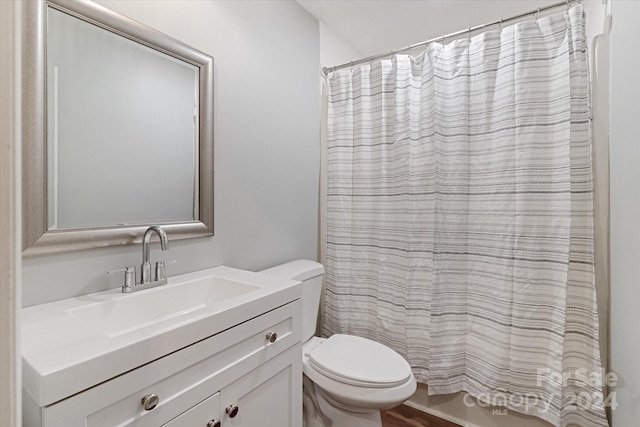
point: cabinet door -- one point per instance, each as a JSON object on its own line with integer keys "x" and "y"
{"x": 269, "y": 396}
{"x": 204, "y": 414}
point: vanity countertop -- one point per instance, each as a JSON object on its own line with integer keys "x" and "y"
{"x": 76, "y": 343}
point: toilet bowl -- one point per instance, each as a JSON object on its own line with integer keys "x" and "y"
{"x": 348, "y": 380}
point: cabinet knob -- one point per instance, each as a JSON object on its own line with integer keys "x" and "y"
{"x": 272, "y": 336}
{"x": 150, "y": 401}
{"x": 214, "y": 423}
{"x": 232, "y": 410}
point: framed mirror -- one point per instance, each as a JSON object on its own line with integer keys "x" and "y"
{"x": 118, "y": 133}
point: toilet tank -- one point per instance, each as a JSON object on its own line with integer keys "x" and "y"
{"x": 310, "y": 273}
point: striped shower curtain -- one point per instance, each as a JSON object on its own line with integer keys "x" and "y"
{"x": 459, "y": 216}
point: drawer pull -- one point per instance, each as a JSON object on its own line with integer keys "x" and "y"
{"x": 214, "y": 423}
{"x": 150, "y": 401}
{"x": 232, "y": 411}
{"x": 272, "y": 336}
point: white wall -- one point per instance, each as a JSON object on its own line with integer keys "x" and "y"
{"x": 334, "y": 50}
{"x": 625, "y": 210}
{"x": 266, "y": 114}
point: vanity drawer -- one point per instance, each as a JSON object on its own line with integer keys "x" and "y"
{"x": 200, "y": 415}
{"x": 184, "y": 378}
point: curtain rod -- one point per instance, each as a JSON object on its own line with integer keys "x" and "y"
{"x": 327, "y": 70}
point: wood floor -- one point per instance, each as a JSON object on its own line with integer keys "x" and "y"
{"x": 404, "y": 416}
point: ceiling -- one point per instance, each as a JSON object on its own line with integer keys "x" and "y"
{"x": 376, "y": 26}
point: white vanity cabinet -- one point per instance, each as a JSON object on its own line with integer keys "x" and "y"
{"x": 252, "y": 369}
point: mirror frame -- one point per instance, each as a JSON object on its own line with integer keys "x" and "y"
{"x": 37, "y": 239}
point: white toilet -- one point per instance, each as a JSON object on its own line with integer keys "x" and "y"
{"x": 347, "y": 379}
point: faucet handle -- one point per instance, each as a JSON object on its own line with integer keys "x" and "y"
{"x": 161, "y": 272}
{"x": 129, "y": 277}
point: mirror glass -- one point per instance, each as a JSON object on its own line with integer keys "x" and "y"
{"x": 122, "y": 130}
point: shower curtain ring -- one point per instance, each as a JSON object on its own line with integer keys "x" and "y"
{"x": 442, "y": 39}
{"x": 536, "y": 15}
{"x": 500, "y": 26}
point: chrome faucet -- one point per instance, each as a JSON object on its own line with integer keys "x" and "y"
{"x": 145, "y": 269}
{"x": 130, "y": 284}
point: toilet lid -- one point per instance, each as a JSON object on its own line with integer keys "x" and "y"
{"x": 360, "y": 362}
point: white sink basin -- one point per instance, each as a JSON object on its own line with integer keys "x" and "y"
{"x": 76, "y": 343}
{"x": 158, "y": 308}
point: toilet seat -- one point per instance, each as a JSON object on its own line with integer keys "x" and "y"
{"x": 359, "y": 362}
{"x": 352, "y": 397}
